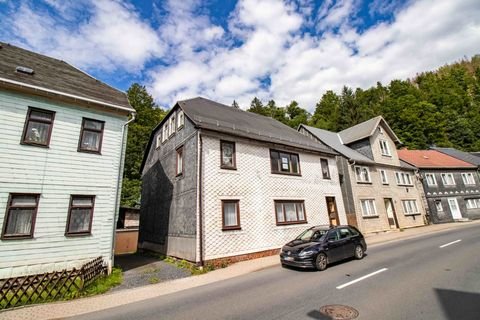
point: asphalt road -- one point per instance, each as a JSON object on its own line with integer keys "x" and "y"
{"x": 408, "y": 279}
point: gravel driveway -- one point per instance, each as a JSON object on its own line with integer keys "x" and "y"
{"x": 141, "y": 270}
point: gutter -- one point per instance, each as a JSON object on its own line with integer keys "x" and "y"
{"x": 75, "y": 97}
{"x": 119, "y": 183}
{"x": 199, "y": 199}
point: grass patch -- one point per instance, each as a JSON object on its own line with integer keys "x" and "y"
{"x": 153, "y": 280}
{"x": 151, "y": 270}
{"x": 103, "y": 284}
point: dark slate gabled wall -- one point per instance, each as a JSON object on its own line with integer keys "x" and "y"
{"x": 169, "y": 202}
{"x": 363, "y": 147}
{"x": 460, "y": 191}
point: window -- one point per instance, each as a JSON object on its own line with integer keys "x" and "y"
{"x": 447, "y": 179}
{"x": 385, "y": 148}
{"x": 38, "y": 127}
{"x": 362, "y": 174}
{"x": 468, "y": 178}
{"x": 283, "y": 162}
{"x": 473, "y": 203}
{"x": 172, "y": 125}
{"x": 438, "y": 205}
{"x": 20, "y": 216}
{"x": 165, "y": 132}
{"x": 344, "y": 233}
{"x": 368, "y": 208}
{"x": 383, "y": 175}
{"x": 410, "y": 206}
{"x": 431, "y": 181}
{"x": 230, "y": 215}
{"x": 403, "y": 178}
{"x": 227, "y": 155}
{"x": 325, "y": 169}
{"x": 159, "y": 140}
{"x": 80, "y": 215}
{"x": 91, "y": 136}
{"x": 290, "y": 212}
{"x": 181, "y": 120}
{"x": 179, "y": 165}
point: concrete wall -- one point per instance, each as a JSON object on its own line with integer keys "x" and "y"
{"x": 56, "y": 173}
{"x": 460, "y": 191}
{"x": 256, "y": 188}
{"x": 168, "y": 209}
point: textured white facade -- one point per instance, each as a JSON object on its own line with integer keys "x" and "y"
{"x": 256, "y": 188}
{"x": 56, "y": 173}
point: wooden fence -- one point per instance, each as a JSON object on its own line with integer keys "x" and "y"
{"x": 50, "y": 286}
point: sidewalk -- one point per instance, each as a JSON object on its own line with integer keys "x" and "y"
{"x": 110, "y": 300}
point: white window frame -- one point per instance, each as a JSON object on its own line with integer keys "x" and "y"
{"x": 438, "y": 205}
{"x": 165, "y": 132}
{"x": 444, "y": 180}
{"x": 410, "y": 207}
{"x": 371, "y": 208}
{"x": 468, "y": 178}
{"x": 473, "y": 203}
{"x": 431, "y": 175}
{"x": 360, "y": 177}
{"x": 172, "y": 125}
{"x": 383, "y": 176}
{"x": 180, "y": 120}
{"x": 158, "y": 140}
{"x": 385, "y": 148}
{"x": 403, "y": 179}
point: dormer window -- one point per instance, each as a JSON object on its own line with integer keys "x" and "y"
{"x": 385, "y": 148}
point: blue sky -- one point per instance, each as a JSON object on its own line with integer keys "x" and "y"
{"x": 225, "y": 50}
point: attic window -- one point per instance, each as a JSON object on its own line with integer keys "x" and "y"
{"x": 25, "y": 70}
{"x": 380, "y": 130}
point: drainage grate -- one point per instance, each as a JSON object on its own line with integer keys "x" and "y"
{"x": 339, "y": 312}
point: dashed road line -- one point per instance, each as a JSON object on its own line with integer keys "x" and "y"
{"x": 361, "y": 278}
{"x": 450, "y": 243}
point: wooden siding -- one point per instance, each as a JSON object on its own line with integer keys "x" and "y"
{"x": 56, "y": 173}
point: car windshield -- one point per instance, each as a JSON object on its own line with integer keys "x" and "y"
{"x": 312, "y": 235}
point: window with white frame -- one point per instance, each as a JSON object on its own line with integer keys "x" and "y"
{"x": 368, "y": 208}
{"x": 403, "y": 179}
{"x": 384, "y": 147}
{"x": 172, "y": 124}
{"x": 158, "y": 140}
{"x": 468, "y": 178}
{"x": 410, "y": 206}
{"x": 438, "y": 205}
{"x": 165, "y": 132}
{"x": 362, "y": 174}
{"x": 383, "y": 175}
{"x": 430, "y": 178}
{"x": 473, "y": 203}
{"x": 447, "y": 179}
{"x": 180, "y": 120}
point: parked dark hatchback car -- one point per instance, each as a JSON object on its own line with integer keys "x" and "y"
{"x": 318, "y": 246}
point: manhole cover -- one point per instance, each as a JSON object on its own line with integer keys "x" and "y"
{"x": 339, "y": 312}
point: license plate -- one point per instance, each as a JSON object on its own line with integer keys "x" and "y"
{"x": 288, "y": 258}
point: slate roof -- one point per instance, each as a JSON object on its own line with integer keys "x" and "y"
{"x": 464, "y": 156}
{"x": 476, "y": 154}
{"x": 333, "y": 140}
{"x": 56, "y": 76}
{"x": 211, "y": 115}
{"x": 364, "y": 130}
{"x": 425, "y": 159}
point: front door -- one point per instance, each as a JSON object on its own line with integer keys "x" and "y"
{"x": 454, "y": 209}
{"x": 332, "y": 211}
{"x": 392, "y": 217}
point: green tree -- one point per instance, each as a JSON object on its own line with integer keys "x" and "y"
{"x": 326, "y": 111}
{"x": 256, "y": 106}
{"x": 148, "y": 116}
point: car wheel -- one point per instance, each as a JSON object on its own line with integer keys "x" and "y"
{"x": 321, "y": 262}
{"x": 359, "y": 252}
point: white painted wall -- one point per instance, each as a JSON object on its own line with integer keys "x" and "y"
{"x": 257, "y": 188}
{"x": 56, "y": 173}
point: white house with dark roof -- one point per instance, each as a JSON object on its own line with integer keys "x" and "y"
{"x": 220, "y": 183}
{"x": 380, "y": 192}
{"x": 63, "y": 136}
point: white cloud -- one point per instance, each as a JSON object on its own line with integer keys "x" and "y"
{"x": 273, "y": 49}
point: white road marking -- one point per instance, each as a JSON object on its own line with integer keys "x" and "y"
{"x": 361, "y": 278}
{"x": 450, "y": 243}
